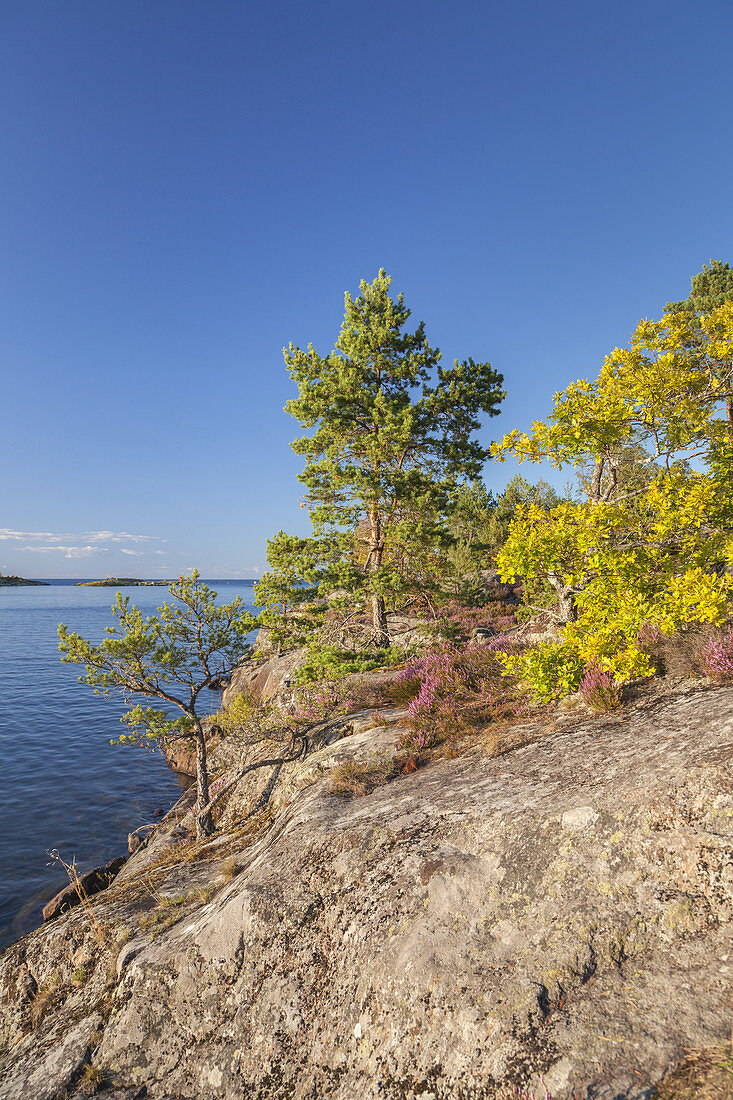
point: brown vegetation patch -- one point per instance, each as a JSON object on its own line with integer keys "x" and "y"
{"x": 380, "y": 690}
{"x": 497, "y": 742}
{"x": 678, "y": 654}
{"x": 144, "y": 889}
{"x": 703, "y": 1075}
{"x": 169, "y": 910}
{"x": 230, "y": 868}
{"x": 359, "y": 778}
{"x": 44, "y": 1000}
{"x": 91, "y": 1081}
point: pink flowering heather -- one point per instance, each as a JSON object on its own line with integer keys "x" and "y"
{"x": 598, "y": 689}
{"x": 716, "y": 657}
{"x": 315, "y": 702}
{"x": 649, "y": 635}
{"x": 460, "y": 619}
{"x": 454, "y": 682}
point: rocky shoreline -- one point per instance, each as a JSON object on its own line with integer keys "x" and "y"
{"x": 557, "y": 911}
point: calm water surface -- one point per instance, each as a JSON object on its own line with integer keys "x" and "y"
{"x": 62, "y": 785}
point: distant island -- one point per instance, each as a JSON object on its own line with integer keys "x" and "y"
{"x": 18, "y": 580}
{"x": 111, "y": 582}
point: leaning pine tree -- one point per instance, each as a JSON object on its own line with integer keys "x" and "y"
{"x": 172, "y": 657}
{"x": 390, "y": 433}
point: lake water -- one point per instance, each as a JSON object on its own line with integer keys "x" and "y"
{"x": 62, "y": 785}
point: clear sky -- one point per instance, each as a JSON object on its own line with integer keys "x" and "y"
{"x": 188, "y": 186}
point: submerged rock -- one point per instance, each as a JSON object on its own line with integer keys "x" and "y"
{"x": 560, "y": 912}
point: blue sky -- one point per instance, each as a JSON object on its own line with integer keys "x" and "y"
{"x": 187, "y": 187}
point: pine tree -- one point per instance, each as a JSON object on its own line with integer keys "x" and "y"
{"x": 390, "y": 432}
{"x": 710, "y": 289}
{"x": 171, "y": 657}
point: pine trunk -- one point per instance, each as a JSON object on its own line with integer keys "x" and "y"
{"x": 379, "y": 610}
{"x": 379, "y": 621}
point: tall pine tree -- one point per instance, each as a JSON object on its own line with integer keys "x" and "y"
{"x": 710, "y": 288}
{"x": 389, "y": 434}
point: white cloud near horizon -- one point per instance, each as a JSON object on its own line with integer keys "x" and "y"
{"x": 82, "y": 545}
{"x": 86, "y": 536}
{"x": 68, "y": 551}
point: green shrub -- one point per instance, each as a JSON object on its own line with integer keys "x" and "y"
{"x": 330, "y": 662}
{"x": 551, "y": 670}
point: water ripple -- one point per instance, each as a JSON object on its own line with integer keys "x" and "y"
{"x": 62, "y": 784}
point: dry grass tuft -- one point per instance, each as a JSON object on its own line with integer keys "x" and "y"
{"x": 403, "y": 691}
{"x": 376, "y": 721}
{"x": 101, "y": 929}
{"x": 229, "y": 868}
{"x": 169, "y": 910}
{"x": 702, "y": 1075}
{"x": 41, "y": 1004}
{"x": 357, "y": 778}
{"x": 91, "y": 1081}
{"x": 242, "y": 835}
{"x": 495, "y": 742}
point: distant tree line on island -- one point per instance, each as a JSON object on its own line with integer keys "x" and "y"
{"x": 124, "y": 582}
{"x": 10, "y": 581}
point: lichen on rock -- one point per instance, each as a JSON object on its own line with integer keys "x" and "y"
{"x": 561, "y": 912}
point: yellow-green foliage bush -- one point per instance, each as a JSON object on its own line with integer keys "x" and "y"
{"x": 647, "y": 544}
{"x": 551, "y": 670}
